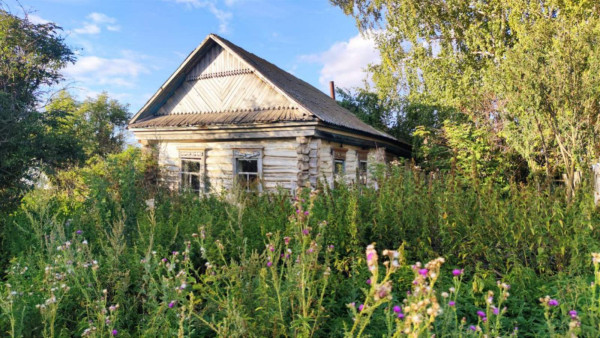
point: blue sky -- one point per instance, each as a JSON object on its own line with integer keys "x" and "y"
{"x": 128, "y": 48}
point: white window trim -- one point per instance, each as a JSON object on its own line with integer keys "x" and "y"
{"x": 195, "y": 155}
{"x": 249, "y": 153}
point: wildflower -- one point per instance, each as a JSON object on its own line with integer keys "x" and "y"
{"x": 114, "y": 332}
{"x": 473, "y": 328}
{"x": 371, "y": 257}
{"x": 445, "y": 294}
{"x": 305, "y": 231}
{"x": 423, "y": 272}
{"x": 195, "y": 235}
{"x": 361, "y": 307}
{"x": 183, "y": 286}
{"x": 171, "y": 304}
{"x": 79, "y": 232}
{"x": 397, "y": 309}
{"x": 495, "y": 310}
{"x": 84, "y": 242}
{"x": 164, "y": 260}
{"x": 595, "y": 257}
{"x": 451, "y": 303}
{"x": 297, "y": 211}
{"x": 481, "y": 314}
{"x": 457, "y": 272}
{"x": 269, "y": 263}
{"x": 573, "y": 314}
{"x": 401, "y": 315}
{"x": 552, "y": 302}
{"x": 369, "y": 281}
{"x": 330, "y": 247}
{"x": 286, "y": 240}
{"x": 306, "y": 213}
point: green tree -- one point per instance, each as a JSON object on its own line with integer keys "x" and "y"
{"x": 77, "y": 131}
{"x": 31, "y": 57}
{"x": 522, "y": 71}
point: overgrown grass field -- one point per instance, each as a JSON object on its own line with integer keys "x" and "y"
{"x": 105, "y": 252}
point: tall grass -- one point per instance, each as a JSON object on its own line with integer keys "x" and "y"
{"x": 108, "y": 252}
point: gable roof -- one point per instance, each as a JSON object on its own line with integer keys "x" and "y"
{"x": 318, "y": 104}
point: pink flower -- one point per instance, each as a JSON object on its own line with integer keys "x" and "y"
{"x": 361, "y": 307}
{"x": 423, "y": 272}
{"x": 269, "y": 263}
{"x": 305, "y": 231}
{"x": 286, "y": 240}
{"x": 451, "y": 303}
{"x": 481, "y": 314}
{"x": 457, "y": 272}
{"x": 306, "y": 213}
{"x": 171, "y": 304}
{"x": 553, "y": 302}
{"x": 368, "y": 281}
{"x": 114, "y": 332}
{"x": 397, "y": 309}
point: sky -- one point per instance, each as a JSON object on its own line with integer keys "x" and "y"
{"x": 128, "y": 48}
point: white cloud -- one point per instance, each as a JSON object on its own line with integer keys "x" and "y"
{"x": 95, "y": 24}
{"x": 345, "y": 62}
{"x": 222, "y": 16}
{"x": 119, "y": 72}
{"x": 101, "y": 18}
{"x": 88, "y": 28}
{"x": 37, "y": 19}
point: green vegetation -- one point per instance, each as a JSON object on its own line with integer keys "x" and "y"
{"x": 490, "y": 230}
{"x": 105, "y": 249}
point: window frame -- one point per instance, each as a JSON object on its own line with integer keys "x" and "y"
{"x": 195, "y": 156}
{"x": 339, "y": 156}
{"x": 362, "y": 174}
{"x": 248, "y": 154}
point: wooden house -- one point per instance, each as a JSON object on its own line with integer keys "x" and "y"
{"x": 226, "y": 115}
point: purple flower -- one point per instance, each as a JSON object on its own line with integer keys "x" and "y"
{"x": 361, "y": 307}
{"x": 472, "y": 328}
{"x": 451, "y": 303}
{"x": 269, "y": 263}
{"x": 79, "y": 232}
{"x": 573, "y": 314}
{"x": 423, "y": 272}
{"x": 297, "y": 211}
{"x": 552, "y": 302}
{"x": 305, "y": 231}
{"x": 397, "y": 309}
{"x": 114, "y": 332}
{"x": 401, "y": 315}
{"x": 171, "y": 304}
{"x": 368, "y": 281}
{"x": 306, "y": 213}
{"x": 164, "y": 260}
{"x": 331, "y": 246}
{"x": 457, "y": 272}
{"x": 481, "y": 314}
{"x": 495, "y": 310}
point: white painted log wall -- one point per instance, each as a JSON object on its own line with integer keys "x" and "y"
{"x": 279, "y": 162}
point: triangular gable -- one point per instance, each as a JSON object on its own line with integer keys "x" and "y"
{"x": 221, "y": 82}
{"x": 213, "y": 79}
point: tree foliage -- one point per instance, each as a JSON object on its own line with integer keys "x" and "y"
{"x": 525, "y": 72}
{"x": 31, "y": 57}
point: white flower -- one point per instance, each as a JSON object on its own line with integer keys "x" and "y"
{"x": 84, "y": 242}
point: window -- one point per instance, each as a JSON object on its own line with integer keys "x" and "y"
{"x": 192, "y": 174}
{"x": 248, "y": 168}
{"x": 362, "y": 167}
{"x": 339, "y": 162}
